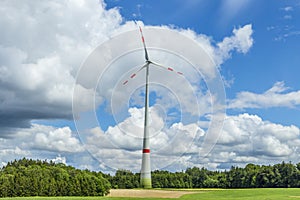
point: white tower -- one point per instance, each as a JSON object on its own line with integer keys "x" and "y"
{"x": 146, "y": 168}
{"x": 145, "y": 181}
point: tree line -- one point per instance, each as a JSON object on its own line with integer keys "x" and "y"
{"x": 283, "y": 175}
{"x": 27, "y": 177}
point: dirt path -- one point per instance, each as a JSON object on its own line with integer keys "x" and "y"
{"x": 147, "y": 193}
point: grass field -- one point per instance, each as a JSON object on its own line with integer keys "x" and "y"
{"x": 247, "y": 194}
{"x": 206, "y": 194}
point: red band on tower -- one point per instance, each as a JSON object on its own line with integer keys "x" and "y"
{"x": 146, "y": 150}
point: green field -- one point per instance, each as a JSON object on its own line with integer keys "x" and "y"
{"x": 256, "y": 194}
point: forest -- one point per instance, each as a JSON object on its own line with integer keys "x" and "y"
{"x": 27, "y": 177}
{"x": 283, "y": 175}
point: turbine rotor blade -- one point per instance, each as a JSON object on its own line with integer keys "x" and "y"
{"x": 134, "y": 74}
{"x": 166, "y": 68}
{"x": 143, "y": 41}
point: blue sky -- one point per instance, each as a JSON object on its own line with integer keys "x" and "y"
{"x": 274, "y": 55}
{"x": 50, "y": 72}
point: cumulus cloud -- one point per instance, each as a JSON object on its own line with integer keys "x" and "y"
{"x": 60, "y": 140}
{"x": 249, "y": 139}
{"x": 41, "y": 46}
{"x": 16, "y": 152}
{"x": 122, "y": 144}
{"x": 244, "y": 139}
{"x": 267, "y": 138}
{"x": 186, "y": 95}
{"x": 277, "y": 96}
{"x": 59, "y": 159}
{"x": 41, "y": 142}
{"x": 241, "y": 41}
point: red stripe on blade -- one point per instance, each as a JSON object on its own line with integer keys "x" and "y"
{"x": 125, "y": 82}
{"x": 180, "y": 73}
{"x": 169, "y": 68}
{"x": 133, "y": 75}
{"x": 146, "y": 150}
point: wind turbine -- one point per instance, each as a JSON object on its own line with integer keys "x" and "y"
{"x": 145, "y": 179}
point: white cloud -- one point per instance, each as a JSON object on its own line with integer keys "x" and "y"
{"x": 287, "y": 17}
{"x": 246, "y": 159}
{"x": 15, "y": 151}
{"x": 188, "y": 94}
{"x": 245, "y": 139}
{"x": 60, "y": 140}
{"x": 59, "y": 159}
{"x": 37, "y": 80}
{"x": 121, "y": 145}
{"x": 3, "y": 164}
{"x": 10, "y": 152}
{"x": 249, "y": 139}
{"x": 288, "y": 8}
{"x": 270, "y": 146}
{"x": 258, "y": 136}
{"x": 277, "y": 96}
{"x": 84, "y": 99}
{"x": 41, "y": 47}
{"x": 241, "y": 41}
{"x": 45, "y": 143}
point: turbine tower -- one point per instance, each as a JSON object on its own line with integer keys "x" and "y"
{"x": 145, "y": 179}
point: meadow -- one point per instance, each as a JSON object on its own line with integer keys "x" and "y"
{"x": 207, "y": 194}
